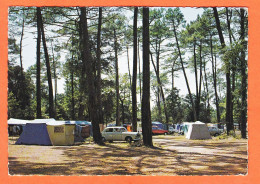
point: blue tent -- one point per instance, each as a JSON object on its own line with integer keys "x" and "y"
{"x": 35, "y": 134}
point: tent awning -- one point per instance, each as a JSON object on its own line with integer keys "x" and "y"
{"x": 13, "y": 121}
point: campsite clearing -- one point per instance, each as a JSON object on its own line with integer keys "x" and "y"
{"x": 172, "y": 155}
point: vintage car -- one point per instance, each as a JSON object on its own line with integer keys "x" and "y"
{"x": 214, "y": 131}
{"x": 117, "y": 133}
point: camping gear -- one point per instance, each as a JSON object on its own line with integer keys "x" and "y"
{"x": 197, "y": 130}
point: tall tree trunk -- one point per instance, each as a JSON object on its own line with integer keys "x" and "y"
{"x": 21, "y": 45}
{"x": 207, "y": 90}
{"x": 206, "y": 83}
{"x": 98, "y": 86}
{"x": 117, "y": 80}
{"x": 88, "y": 61}
{"x": 123, "y": 113}
{"x": 72, "y": 96}
{"x": 173, "y": 65}
{"x": 195, "y": 68}
{"x": 123, "y": 109}
{"x": 38, "y": 76}
{"x": 82, "y": 79}
{"x": 172, "y": 78}
{"x": 199, "y": 96}
{"x": 146, "y": 111}
{"x": 196, "y": 80}
{"x": 55, "y": 82}
{"x": 140, "y": 80}
{"x": 228, "y": 93}
{"x": 134, "y": 103}
{"x": 72, "y": 88}
{"x": 233, "y": 68}
{"x": 47, "y": 60}
{"x": 244, "y": 75}
{"x": 130, "y": 80}
{"x": 128, "y": 64}
{"x": 214, "y": 80}
{"x": 159, "y": 104}
{"x": 157, "y": 71}
{"x": 184, "y": 73}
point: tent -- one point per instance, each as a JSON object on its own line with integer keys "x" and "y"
{"x": 61, "y": 133}
{"x": 47, "y": 132}
{"x": 198, "y": 130}
{"x": 185, "y": 127}
{"x": 35, "y": 133}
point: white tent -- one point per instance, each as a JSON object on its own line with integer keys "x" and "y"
{"x": 198, "y": 130}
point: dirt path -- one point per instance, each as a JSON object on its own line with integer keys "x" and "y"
{"x": 172, "y": 155}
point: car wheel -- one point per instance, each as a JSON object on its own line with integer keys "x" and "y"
{"x": 165, "y": 133}
{"x": 103, "y": 139}
{"x": 216, "y": 134}
{"x": 128, "y": 139}
{"x": 110, "y": 141}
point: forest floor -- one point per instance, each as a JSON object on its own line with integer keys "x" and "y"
{"x": 171, "y": 155}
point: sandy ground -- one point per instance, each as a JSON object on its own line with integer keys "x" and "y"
{"x": 172, "y": 155}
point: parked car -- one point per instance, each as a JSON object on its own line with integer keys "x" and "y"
{"x": 214, "y": 131}
{"x": 117, "y": 133}
{"x": 157, "y": 130}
